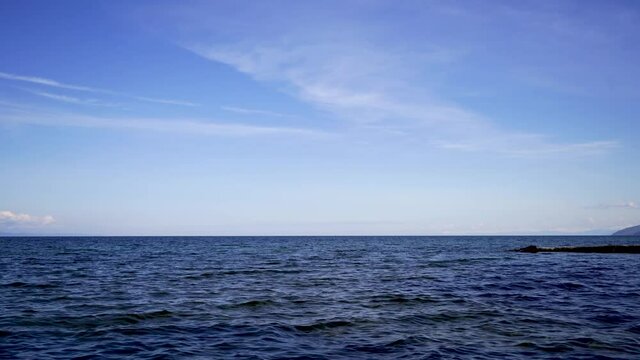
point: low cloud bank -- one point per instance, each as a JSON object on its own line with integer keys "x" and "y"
{"x": 13, "y": 219}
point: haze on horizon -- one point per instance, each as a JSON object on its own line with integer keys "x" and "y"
{"x": 319, "y": 117}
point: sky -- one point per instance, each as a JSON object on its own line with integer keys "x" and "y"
{"x": 319, "y": 117}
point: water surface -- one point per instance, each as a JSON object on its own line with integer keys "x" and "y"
{"x": 316, "y": 298}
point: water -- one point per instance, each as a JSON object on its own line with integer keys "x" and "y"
{"x": 316, "y": 298}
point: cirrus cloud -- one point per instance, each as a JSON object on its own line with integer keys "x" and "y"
{"x": 373, "y": 76}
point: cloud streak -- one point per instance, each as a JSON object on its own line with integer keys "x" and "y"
{"x": 60, "y": 85}
{"x": 181, "y": 126}
{"x": 620, "y": 205}
{"x": 248, "y": 111}
{"x": 48, "y": 82}
{"x": 71, "y": 99}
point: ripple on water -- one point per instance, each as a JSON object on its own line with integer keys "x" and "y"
{"x": 314, "y": 298}
{"x": 23, "y": 285}
{"x": 384, "y": 300}
{"x": 324, "y": 325}
{"x": 249, "y": 304}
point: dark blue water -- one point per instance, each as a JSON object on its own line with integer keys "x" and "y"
{"x": 316, "y": 298}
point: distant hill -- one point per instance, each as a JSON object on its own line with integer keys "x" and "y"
{"x": 630, "y": 231}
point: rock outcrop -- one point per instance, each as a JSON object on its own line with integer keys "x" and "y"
{"x": 607, "y": 249}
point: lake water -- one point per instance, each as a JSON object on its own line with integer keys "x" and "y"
{"x": 316, "y": 298}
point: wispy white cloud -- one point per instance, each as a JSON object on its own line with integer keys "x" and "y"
{"x": 529, "y": 146}
{"x": 248, "y": 111}
{"x": 47, "y": 82}
{"x": 60, "y": 85}
{"x": 72, "y": 99}
{"x": 163, "y": 101}
{"x": 182, "y": 126}
{"x": 619, "y": 205}
{"x": 392, "y": 74}
{"x": 13, "y": 219}
{"x": 365, "y": 86}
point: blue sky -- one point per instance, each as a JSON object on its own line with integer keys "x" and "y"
{"x": 319, "y": 117}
